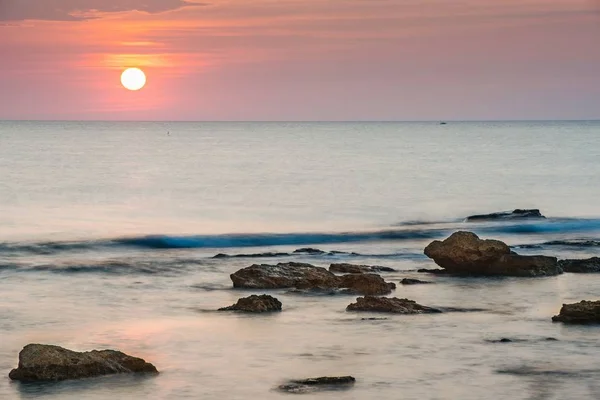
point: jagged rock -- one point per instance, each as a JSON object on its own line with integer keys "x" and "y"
{"x": 344, "y": 268}
{"x": 306, "y": 276}
{"x": 464, "y": 253}
{"x": 515, "y": 214}
{"x": 389, "y": 305}
{"x": 39, "y": 362}
{"x": 366, "y": 284}
{"x": 409, "y": 281}
{"x": 589, "y": 265}
{"x": 317, "y": 384}
{"x": 584, "y": 312}
{"x": 255, "y": 304}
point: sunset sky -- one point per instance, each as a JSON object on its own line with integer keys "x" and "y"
{"x": 301, "y": 60}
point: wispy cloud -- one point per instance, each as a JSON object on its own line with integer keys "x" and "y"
{"x": 78, "y": 10}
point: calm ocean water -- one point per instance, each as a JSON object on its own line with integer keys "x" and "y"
{"x": 107, "y": 233}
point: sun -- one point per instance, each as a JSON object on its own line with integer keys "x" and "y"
{"x": 133, "y": 79}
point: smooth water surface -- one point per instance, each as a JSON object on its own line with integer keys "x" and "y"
{"x": 108, "y": 232}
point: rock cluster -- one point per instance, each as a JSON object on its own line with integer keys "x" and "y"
{"x": 306, "y": 276}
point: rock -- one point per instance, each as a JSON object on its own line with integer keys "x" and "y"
{"x": 309, "y": 250}
{"x": 409, "y": 281}
{"x": 315, "y": 384}
{"x": 589, "y": 265}
{"x": 435, "y": 271}
{"x": 389, "y": 305}
{"x": 284, "y": 275}
{"x": 464, "y": 253}
{"x": 254, "y": 255}
{"x": 344, "y": 268}
{"x": 366, "y": 284}
{"x": 584, "y": 312}
{"x": 39, "y": 362}
{"x": 374, "y": 319}
{"x": 255, "y": 304}
{"x": 515, "y": 214}
{"x": 306, "y": 276}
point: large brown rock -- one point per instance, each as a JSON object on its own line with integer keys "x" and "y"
{"x": 284, "y": 275}
{"x": 588, "y": 265}
{"x": 464, "y": 253}
{"x": 584, "y": 312}
{"x": 366, "y": 284}
{"x": 390, "y": 305}
{"x": 306, "y": 276}
{"x": 39, "y": 362}
{"x": 255, "y": 304}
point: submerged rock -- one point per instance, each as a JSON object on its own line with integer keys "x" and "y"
{"x": 589, "y": 265}
{"x": 307, "y": 277}
{"x": 39, "y": 362}
{"x": 504, "y": 215}
{"x": 435, "y": 271}
{"x": 316, "y": 384}
{"x": 252, "y": 255}
{"x": 464, "y": 253}
{"x": 409, "y": 281}
{"x": 584, "y": 312}
{"x": 255, "y": 304}
{"x": 390, "y": 305}
{"x": 345, "y": 268}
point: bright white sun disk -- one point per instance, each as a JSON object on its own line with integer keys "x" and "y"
{"x": 133, "y": 78}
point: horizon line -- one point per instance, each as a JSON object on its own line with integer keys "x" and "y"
{"x": 303, "y": 121}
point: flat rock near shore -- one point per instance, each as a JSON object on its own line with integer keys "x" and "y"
{"x": 507, "y": 215}
{"x": 584, "y": 312}
{"x": 392, "y": 305}
{"x": 40, "y": 362}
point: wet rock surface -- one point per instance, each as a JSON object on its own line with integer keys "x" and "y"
{"x": 255, "y": 304}
{"x": 588, "y": 265}
{"x": 366, "y": 284}
{"x": 284, "y": 275}
{"x": 390, "y": 305}
{"x": 308, "y": 277}
{"x": 318, "y": 384}
{"x": 507, "y": 215}
{"x": 464, "y": 253}
{"x": 584, "y": 312}
{"x": 39, "y": 362}
{"x": 345, "y": 268}
{"x": 410, "y": 281}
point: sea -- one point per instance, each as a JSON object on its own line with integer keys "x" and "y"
{"x": 109, "y": 231}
